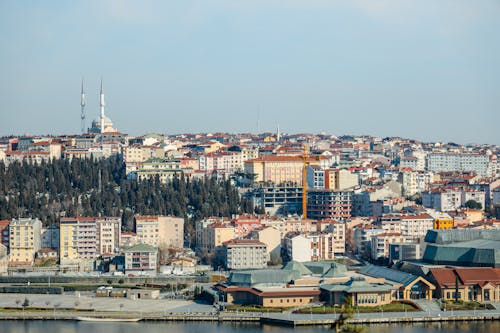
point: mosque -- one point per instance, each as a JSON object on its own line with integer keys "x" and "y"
{"x": 103, "y": 124}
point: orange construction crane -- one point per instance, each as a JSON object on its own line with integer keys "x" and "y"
{"x": 305, "y": 157}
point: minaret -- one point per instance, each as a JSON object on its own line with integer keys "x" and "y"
{"x": 101, "y": 99}
{"x": 82, "y": 105}
{"x": 278, "y": 133}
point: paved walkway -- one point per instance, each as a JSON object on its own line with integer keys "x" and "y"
{"x": 103, "y": 303}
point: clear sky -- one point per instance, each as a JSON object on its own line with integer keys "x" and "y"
{"x": 424, "y": 69}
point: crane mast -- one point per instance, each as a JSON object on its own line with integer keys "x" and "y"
{"x": 305, "y": 156}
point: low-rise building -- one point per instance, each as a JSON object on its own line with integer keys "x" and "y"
{"x": 479, "y": 284}
{"x": 141, "y": 259}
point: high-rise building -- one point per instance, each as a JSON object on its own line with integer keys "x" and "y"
{"x": 25, "y": 240}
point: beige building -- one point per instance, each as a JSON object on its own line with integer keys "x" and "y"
{"x": 340, "y": 179}
{"x": 160, "y": 231}
{"x": 281, "y": 169}
{"x": 215, "y": 234}
{"x": 83, "y": 239}
{"x": 25, "y": 240}
{"x": 138, "y": 153}
{"x": 271, "y": 237}
{"x": 108, "y": 231}
{"x": 68, "y": 238}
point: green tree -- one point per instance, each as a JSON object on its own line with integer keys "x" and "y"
{"x": 472, "y": 204}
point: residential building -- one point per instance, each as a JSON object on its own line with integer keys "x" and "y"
{"x": 478, "y": 163}
{"x": 380, "y": 243}
{"x": 272, "y": 238}
{"x": 108, "y": 232}
{"x": 363, "y": 237}
{"x": 84, "y": 239}
{"x": 243, "y": 254}
{"x": 141, "y": 259}
{"x": 215, "y": 234}
{"x": 68, "y": 237}
{"x": 25, "y": 240}
{"x": 415, "y": 225}
{"x": 314, "y": 246}
{"x": 160, "y": 231}
{"x": 162, "y": 169}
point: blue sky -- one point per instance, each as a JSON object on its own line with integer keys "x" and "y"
{"x": 423, "y": 69}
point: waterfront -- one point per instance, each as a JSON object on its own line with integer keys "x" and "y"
{"x": 35, "y": 326}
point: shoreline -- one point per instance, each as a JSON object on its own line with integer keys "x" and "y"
{"x": 228, "y": 317}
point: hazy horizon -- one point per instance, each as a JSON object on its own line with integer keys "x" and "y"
{"x": 418, "y": 69}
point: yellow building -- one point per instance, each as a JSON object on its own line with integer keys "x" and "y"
{"x": 68, "y": 241}
{"x": 138, "y": 153}
{"x": 160, "y": 231}
{"x": 215, "y": 234}
{"x": 25, "y": 240}
{"x": 443, "y": 221}
{"x": 280, "y": 169}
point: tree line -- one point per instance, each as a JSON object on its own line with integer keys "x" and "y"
{"x": 88, "y": 187}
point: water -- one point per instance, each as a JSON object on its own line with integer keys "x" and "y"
{"x": 208, "y": 327}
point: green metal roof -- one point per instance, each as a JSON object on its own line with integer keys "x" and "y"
{"x": 357, "y": 285}
{"x": 262, "y": 277}
{"x": 388, "y": 274}
{"x": 326, "y": 268}
{"x": 141, "y": 248}
{"x": 297, "y": 266}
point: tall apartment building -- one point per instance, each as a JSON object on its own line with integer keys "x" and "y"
{"x": 163, "y": 169}
{"x": 25, "y": 240}
{"x": 363, "y": 236}
{"x": 448, "y": 199}
{"x": 68, "y": 241}
{"x": 478, "y": 163}
{"x": 325, "y": 204}
{"x": 108, "y": 230}
{"x": 243, "y": 254}
{"x": 380, "y": 243}
{"x": 415, "y": 225}
{"x": 160, "y": 231}
{"x": 83, "y": 239}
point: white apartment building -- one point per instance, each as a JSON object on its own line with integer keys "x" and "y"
{"x": 479, "y": 163}
{"x": 362, "y": 238}
{"x": 380, "y": 243}
{"x": 314, "y": 246}
{"x": 243, "y": 254}
{"x": 414, "y": 225}
{"x": 448, "y": 199}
